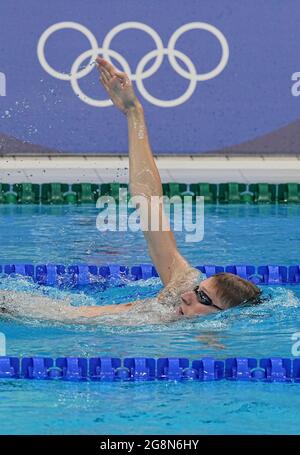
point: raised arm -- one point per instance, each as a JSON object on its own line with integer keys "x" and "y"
{"x": 144, "y": 177}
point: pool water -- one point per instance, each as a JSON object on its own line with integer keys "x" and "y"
{"x": 233, "y": 234}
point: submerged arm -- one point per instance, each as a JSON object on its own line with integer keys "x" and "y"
{"x": 94, "y": 311}
{"x": 25, "y": 305}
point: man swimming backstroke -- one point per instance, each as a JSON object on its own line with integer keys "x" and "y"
{"x": 184, "y": 293}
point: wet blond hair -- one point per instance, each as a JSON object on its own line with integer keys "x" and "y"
{"x": 233, "y": 290}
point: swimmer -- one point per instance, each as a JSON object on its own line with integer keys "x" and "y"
{"x": 184, "y": 294}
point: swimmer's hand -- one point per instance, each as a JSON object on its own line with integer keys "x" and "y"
{"x": 118, "y": 86}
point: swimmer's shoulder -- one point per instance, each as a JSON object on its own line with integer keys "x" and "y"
{"x": 187, "y": 274}
{"x": 184, "y": 280}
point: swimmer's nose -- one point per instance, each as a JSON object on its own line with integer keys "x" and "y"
{"x": 185, "y": 298}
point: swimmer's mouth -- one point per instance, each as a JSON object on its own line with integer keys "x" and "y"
{"x": 180, "y": 312}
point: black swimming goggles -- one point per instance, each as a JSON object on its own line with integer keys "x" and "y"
{"x": 203, "y": 298}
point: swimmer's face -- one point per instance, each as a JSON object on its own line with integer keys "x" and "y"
{"x": 191, "y": 305}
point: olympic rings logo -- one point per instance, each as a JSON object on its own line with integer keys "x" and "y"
{"x": 140, "y": 74}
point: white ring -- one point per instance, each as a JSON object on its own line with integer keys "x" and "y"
{"x": 159, "y": 53}
{"x": 145, "y": 28}
{"x": 169, "y": 103}
{"x": 74, "y": 79}
{"x": 55, "y": 28}
{"x": 203, "y": 26}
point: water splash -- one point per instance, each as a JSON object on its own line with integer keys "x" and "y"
{"x": 43, "y": 305}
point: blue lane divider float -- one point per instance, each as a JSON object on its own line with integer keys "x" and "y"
{"x": 84, "y": 274}
{"x": 272, "y": 369}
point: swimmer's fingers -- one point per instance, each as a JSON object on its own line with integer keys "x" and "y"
{"x": 124, "y": 79}
{"x": 109, "y": 81}
{"x": 110, "y": 71}
{"x": 105, "y": 65}
{"x": 107, "y": 84}
{"x": 103, "y": 82}
{"x": 104, "y": 77}
{"x": 105, "y": 73}
{"x": 120, "y": 80}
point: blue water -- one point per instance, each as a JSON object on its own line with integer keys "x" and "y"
{"x": 233, "y": 234}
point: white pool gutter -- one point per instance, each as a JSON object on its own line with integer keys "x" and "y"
{"x": 186, "y": 169}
